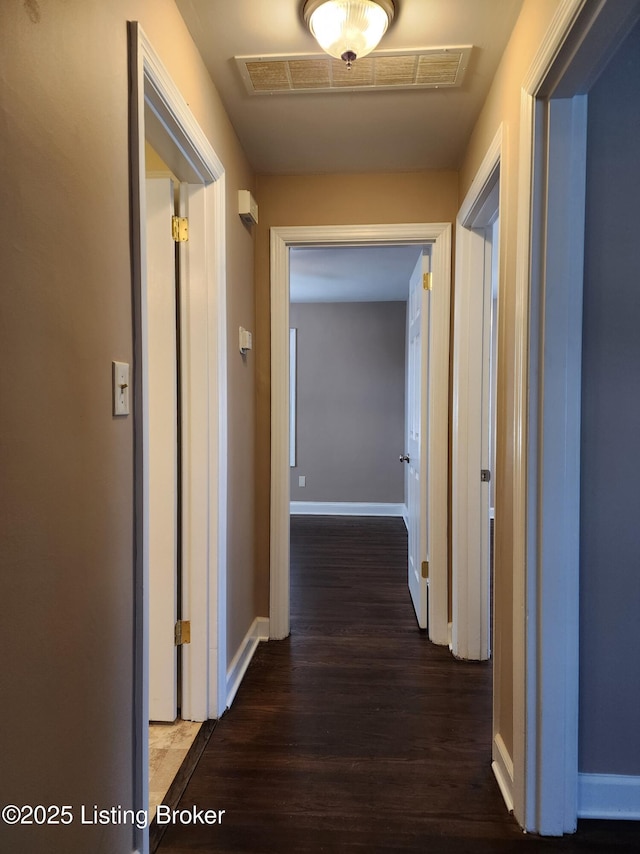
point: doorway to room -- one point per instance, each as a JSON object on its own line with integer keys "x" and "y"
{"x": 435, "y": 437}
{"x": 351, "y": 397}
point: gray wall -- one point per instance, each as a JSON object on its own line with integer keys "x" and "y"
{"x": 610, "y": 495}
{"x": 350, "y": 430}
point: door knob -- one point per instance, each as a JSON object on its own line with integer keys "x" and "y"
{"x": 404, "y": 458}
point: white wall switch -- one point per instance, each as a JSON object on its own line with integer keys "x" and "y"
{"x": 302, "y": 480}
{"x": 120, "y": 388}
{"x": 245, "y": 340}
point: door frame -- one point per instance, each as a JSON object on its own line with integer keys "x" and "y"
{"x": 540, "y": 730}
{"x": 281, "y": 240}
{"x": 471, "y": 615}
{"x": 548, "y": 335}
{"x": 159, "y": 112}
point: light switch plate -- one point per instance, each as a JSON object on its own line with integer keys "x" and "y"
{"x": 120, "y": 388}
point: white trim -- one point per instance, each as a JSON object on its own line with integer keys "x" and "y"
{"x": 405, "y": 516}
{"x": 502, "y": 768}
{"x": 526, "y": 618}
{"x": 219, "y": 455}
{"x": 483, "y": 182}
{"x": 154, "y": 95}
{"x": 345, "y": 508}
{"x": 609, "y": 796}
{"x": 258, "y": 631}
{"x": 470, "y": 572}
{"x": 439, "y": 234}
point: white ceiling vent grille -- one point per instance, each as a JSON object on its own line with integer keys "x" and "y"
{"x": 428, "y": 68}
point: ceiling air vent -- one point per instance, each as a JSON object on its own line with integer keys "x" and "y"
{"x": 428, "y": 68}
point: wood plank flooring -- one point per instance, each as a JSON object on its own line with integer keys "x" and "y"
{"x": 356, "y": 734}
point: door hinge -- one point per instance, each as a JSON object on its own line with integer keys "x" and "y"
{"x": 425, "y": 569}
{"x": 427, "y": 281}
{"x": 183, "y": 632}
{"x": 485, "y": 475}
{"x": 180, "y": 229}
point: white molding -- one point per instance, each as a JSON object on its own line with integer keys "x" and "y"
{"x": 258, "y": 631}
{"x": 153, "y": 90}
{"x": 529, "y": 736}
{"x": 556, "y": 35}
{"x": 167, "y": 103}
{"x": 281, "y": 238}
{"x": 405, "y": 516}
{"x": 470, "y": 442}
{"x": 483, "y": 180}
{"x": 502, "y": 767}
{"x": 218, "y": 455}
{"x": 609, "y": 796}
{"x": 345, "y": 508}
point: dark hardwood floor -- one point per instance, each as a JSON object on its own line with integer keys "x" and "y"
{"x": 356, "y": 734}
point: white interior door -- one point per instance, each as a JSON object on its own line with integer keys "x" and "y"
{"x": 163, "y": 450}
{"x": 417, "y": 423}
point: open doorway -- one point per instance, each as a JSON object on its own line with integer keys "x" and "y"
{"x": 348, "y": 309}
{"x": 438, "y": 236}
{"x": 349, "y": 402}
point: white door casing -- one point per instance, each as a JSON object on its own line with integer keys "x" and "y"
{"x": 471, "y": 445}
{"x": 439, "y": 235}
{"x": 417, "y": 433}
{"x": 160, "y": 114}
{"x": 546, "y": 484}
{"x": 161, "y": 370}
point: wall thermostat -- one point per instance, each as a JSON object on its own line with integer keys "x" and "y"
{"x": 247, "y": 207}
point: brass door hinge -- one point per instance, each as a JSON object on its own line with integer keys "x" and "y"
{"x": 183, "y": 632}
{"x": 427, "y": 281}
{"x": 425, "y": 569}
{"x": 180, "y": 229}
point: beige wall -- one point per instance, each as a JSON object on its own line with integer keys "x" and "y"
{"x": 67, "y": 464}
{"x": 325, "y": 200}
{"x": 503, "y": 105}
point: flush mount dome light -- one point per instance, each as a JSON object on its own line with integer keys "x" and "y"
{"x": 348, "y": 29}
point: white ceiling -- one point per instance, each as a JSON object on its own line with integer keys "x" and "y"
{"x": 355, "y": 131}
{"x": 352, "y": 273}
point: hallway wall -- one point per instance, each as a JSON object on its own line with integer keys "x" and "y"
{"x": 503, "y": 106}
{"x": 67, "y": 465}
{"x": 295, "y": 200}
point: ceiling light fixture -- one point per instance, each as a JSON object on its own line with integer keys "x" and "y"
{"x": 348, "y": 29}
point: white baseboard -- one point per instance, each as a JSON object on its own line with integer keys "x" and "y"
{"x": 609, "y": 796}
{"x": 345, "y": 508}
{"x": 259, "y": 631}
{"x": 502, "y": 766}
